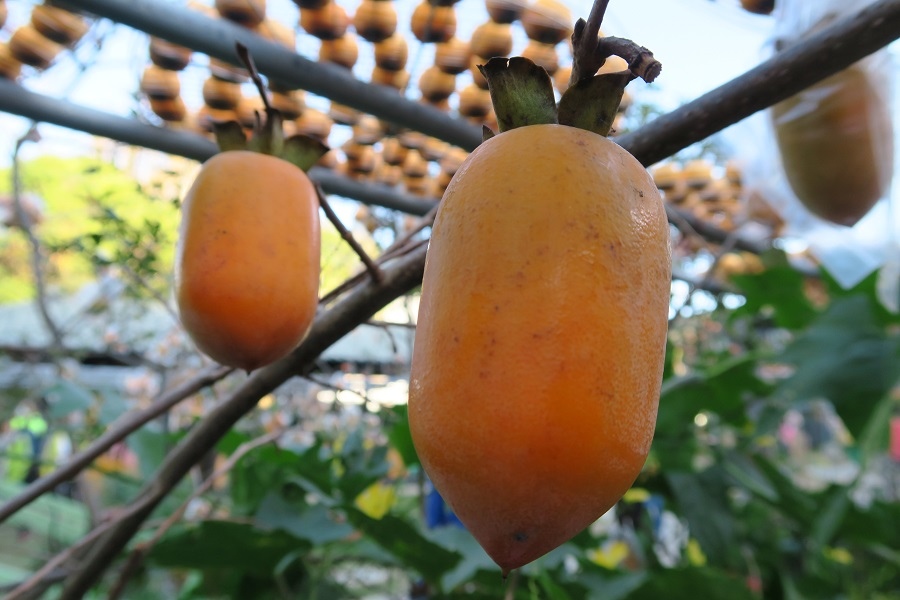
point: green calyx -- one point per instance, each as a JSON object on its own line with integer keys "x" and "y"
{"x": 268, "y": 138}
{"x": 268, "y": 135}
{"x": 522, "y": 92}
{"x": 522, "y": 95}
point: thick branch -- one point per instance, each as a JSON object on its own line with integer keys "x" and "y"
{"x": 329, "y": 327}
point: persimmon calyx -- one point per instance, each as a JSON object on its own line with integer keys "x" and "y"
{"x": 521, "y": 92}
{"x": 522, "y": 95}
{"x": 268, "y": 133}
{"x": 268, "y": 138}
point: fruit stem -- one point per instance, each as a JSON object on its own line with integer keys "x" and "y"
{"x": 244, "y": 54}
{"x": 589, "y": 51}
{"x": 373, "y": 269}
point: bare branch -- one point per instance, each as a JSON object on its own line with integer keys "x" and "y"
{"x": 37, "y": 255}
{"x": 142, "y": 549}
{"x": 371, "y": 267}
{"x": 116, "y": 432}
{"x": 793, "y": 70}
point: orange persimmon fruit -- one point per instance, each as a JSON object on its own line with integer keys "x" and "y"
{"x": 540, "y": 342}
{"x": 247, "y": 261}
{"x": 836, "y": 141}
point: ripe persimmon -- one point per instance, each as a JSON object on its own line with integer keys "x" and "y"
{"x": 247, "y": 260}
{"x": 247, "y": 264}
{"x": 836, "y": 144}
{"x": 541, "y": 333}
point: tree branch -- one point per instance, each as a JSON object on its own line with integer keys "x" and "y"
{"x": 371, "y": 267}
{"x": 115, "y": 433}
{"x": 329, "y": 327}
{"x": 37, "y": 256}
{"x": 141, "y": 551}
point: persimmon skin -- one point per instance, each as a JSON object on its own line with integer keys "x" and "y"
{"x": 540, "y": 342}
{"x": 248, "y": 257}
{"x": 836, "y": 143}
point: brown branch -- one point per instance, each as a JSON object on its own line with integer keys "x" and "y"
{"x": 400, "y": 247}
{"x": 116, "y": 432}
{"x": 584, "y": 43}
{"x": 371, "y": 267}
{"x": 691, "y": 225}
{"x": 873, "y": 28}
{"x": 141, "y": 550}
{"x": 329, "y": 327}
{"x": 640, "y": 60}
{"x": 24, "y": 223}
{"x": 93, "y": 356}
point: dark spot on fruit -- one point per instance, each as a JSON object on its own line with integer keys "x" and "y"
{"x": 520, "y": 536}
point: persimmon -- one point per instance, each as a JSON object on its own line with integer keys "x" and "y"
{"x": 247, "y": 259}
{"x": 541, "y": 332}
{"x": 836, "y": 145}
{"x": 247, "y": 274}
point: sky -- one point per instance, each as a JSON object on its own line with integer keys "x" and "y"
{"x": 702, "y": 44}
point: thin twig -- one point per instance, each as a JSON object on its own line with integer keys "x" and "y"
{"x": 37, "y": 256}
{"x": 371, "y": 267}
{"x": 115, "y": 433}
{"x": 400, "y": 247}
{"x": 512, "y": 585}
{"x": 45, "y": 573}
{"x": 141, "y": 550}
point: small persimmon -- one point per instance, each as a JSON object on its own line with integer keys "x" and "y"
{"x": 247, "y": 268}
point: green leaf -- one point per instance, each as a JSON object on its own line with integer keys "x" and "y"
{"x": 846, "y": 357}
{"x": 112, "y": 407}
{"x": 829, "y": 517}
{"x": 66, "y": 397}
{"x": 225, "y": 545}
{"x": 691, "y": 584}
{"x": 400, "y": 437}
{"x": 779, "y": 290}
{"x": 230, "y": 136}
{"x": 745, "y": 472}
{"x": 791, "y": 500}
{"x": 269, "y": 468}
{"x": 521, "y": 92}
{"x": 604, "y": 585}
{"x": 403, "y": 540}
{"x": 317, "y": 524}
{"x": 702, "y": 499}
{"x": 592, "y": 103}
{"x": 55, "y": 519}
{"x": 151, "y": 447}
{"x": 362, "y": 466}
{"x": 474, "y": 558}
{"x": 720, "y": 389}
